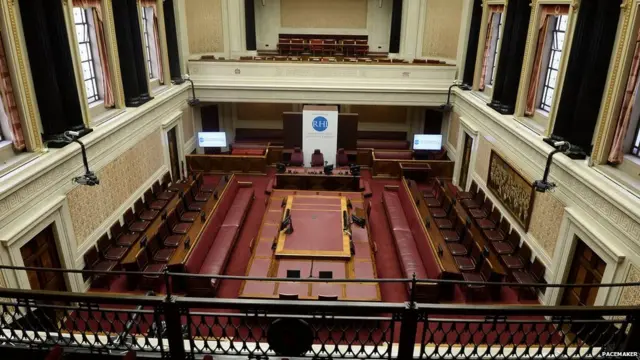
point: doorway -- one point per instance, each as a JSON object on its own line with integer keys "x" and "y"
{"x": 466, "y": 161}
{"x": 41, "y": 251}
{"x": 586, "y": 268}
{"x": 174, "y": 158}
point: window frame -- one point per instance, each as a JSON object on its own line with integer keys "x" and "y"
{"x": 496, "y": 42}
{"x": 146, "y": 38}
{"x": 93, "y": 60}
{"x": 549, "y": 52}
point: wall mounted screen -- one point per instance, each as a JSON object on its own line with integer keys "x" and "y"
{"x": 212, "y": 139}
{"x": 427, "y": 142}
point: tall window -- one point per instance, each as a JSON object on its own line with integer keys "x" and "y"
{"x": 554, "y": 54}
{"x": 497, "y": 25}
{"x": 89, "y": 57}
{"x": 146, "y": 28}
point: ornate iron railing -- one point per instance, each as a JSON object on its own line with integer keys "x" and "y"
{"x": 183, "y": 327}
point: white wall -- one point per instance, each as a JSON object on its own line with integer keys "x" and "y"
{"x": 268, "y": 25}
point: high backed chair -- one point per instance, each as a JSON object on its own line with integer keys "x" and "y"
{"x": 348, "y": 48}
{"x": 483, "y": 211}
{"x": 184, "y": 215}
{"x": 462, "y": 248}
{"x": 446, "y": 223}
{"x": 137, "y": 225}
{"x": 362, "y": 48}
{"x": 191, "y": 204}
{"x": 109, "y": 250}
{"x": 316, "y": 46}
{"x": 317, "y": 159}
{"x": 297, "y": 46}
{"x": 507, "y": 247}
{"x": 199, "y": 195}
{"x": 519, "y": 260}
{"x": 175, "y": 225}
{"x": 167, "y": 238}
{"x": 458, "y": 232}
{"x": 202, "y": 186}
{"x": 149, "y": 281}
{"x": 297, "y": 158}
{"x": 341, "y": 158}
{"x": 444, "y": 210}
{"x": 149, "y": 213}
{"x": 122, "y": 237}
{"x": 535, "y": 275}
{"x": 436, "y": 199}
{"x": 499, "y": 234}
{"x": 473, "y": 190}
{"x": 484, "y": 275}
{"x": 470, "y": 263}
{"x": 161, "y": 191}
{"x": 157, "y": 252}
{"x": 93, "y": 261}
{"x": 491, "y": 222}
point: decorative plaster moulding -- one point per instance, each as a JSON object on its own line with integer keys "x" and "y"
{"x": 51, "y": 172}
{"x": 577, "y": 183}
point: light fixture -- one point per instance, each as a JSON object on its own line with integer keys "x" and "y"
{"x": 448, "y": 106}
{"x": 572, "y": 151}
{"x": 89, "y": 178}
{"x": 194, "y": 101}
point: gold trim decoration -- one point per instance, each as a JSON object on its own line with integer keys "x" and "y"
{"x": 606, "y": 117}
{"x": 25, "y": 91}
{"x": 112, "y": 50}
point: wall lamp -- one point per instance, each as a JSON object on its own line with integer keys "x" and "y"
{"x": 572, "y": 151}
{"x": 194, "y": 101}
{"x": 448, "y": 106}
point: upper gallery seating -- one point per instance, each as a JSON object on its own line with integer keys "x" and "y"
{"x": 211, "y": 254}
{"x": 356, "y": 59}
{"x": 332, "y": 45}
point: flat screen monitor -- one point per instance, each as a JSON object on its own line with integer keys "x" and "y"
{"x": 212, "y": 139}
{"x": 427, "y": 142}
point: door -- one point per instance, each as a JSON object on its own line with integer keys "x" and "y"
{"x": 173, "y": 154}
{"x": 586, "y": 268}
{"x": 466, "y": 160}
{"x": 41, "y": 251}
{"x": 210, "y": 123}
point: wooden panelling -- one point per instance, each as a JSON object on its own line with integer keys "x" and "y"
{"x": 225, "y": 164}
{"x": 381, "y": 114}
{"x": 261, "y": 111}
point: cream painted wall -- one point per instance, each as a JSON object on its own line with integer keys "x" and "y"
{"x": 323, "y": 14}
{"x": 443, "y": 19}
{"x": 204, "y": 26}
{"x": 454, "y": 126}
{"x": 351, "y": 17}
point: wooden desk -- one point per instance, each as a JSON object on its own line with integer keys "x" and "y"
{"x": 129, "y": 261}
{"x": 478, "y": 236}
{"x": 197, "y": 228}
{"x": 415, "y": 171}
{"x": 304, "y": 181}
{"x": 448, "y": 263}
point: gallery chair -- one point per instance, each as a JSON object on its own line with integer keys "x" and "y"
{"x": 122, "y": 237}
{"x": 465, "y": 195}
{"x": 297, "y": 46}
{"x": 316, "y": 46}
{"x": 475, "y": 202}
{"x": 471, "y": 262}
{"x": 157, "y": 252}
{"x": 483, "y": 211}
{"x": 436, "y": 199}
{"x": 519, "y": 260}
{"x": 184, "y": 215}
{"x": 447, "y": 222}
{"x": 341, "y": 158}
{"x": 136, "y": 225}
{"x": 167, "y": 238}
{"x": 175, "y": 225}
{"x": 297, "y": 158}
{"x": 534, "y": 275}
{"x": 491, "y": 222}
{"x": 109, "y": 250}
{"x": 442, "y": 211}
{"x": 149, "y": 213}
{"x": 456, "y": 234}
{"x": 508, "y": 246}
{"x": 149, "y": 281}
{"x": 198, "y": 195}
{"x": 317, "y": 159}
{"x": 207, "y": 188}
{"x": 93, "y": 261}
{"x": 462, "y": 248}
{"x": 161, "y": 192}
{"x": 484, "y": 275}
{"x": 499, "y": 234}
{"x": 190, "y": 204}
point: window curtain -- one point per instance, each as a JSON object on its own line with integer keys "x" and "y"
{"x": 9, "y": 106}
{"x": 472, "y": 45}
{"x": 175, "y": 70}
{"x": 617, "y": 148}
{"x": 96, "y": 8}
{"x": 156, "y": 36}
{"x": 587, "y": 69}
{"x": 493, "y": 9}
{"x": 547, "y": 12}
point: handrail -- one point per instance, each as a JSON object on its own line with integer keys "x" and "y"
{"x": 381, "y": 280}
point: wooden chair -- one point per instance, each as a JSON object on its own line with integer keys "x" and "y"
{"x": 534, "y": 275}
{"x": 175, "y": 225}
{"x": 456, "y": 234}
{"x": 472, "y": 291}
{"x": 167, "y": 238}
{"x": 191, "y": 204}
{"x": 362, "y": 48}
{"x": 162, "y": 192}
{"x": 512, "y": 242}
{"x": 475, "y": 202}
{"x": 491, "y": 222}
{"x": 283, "y": 296}
{"x": 297, "y": 46}
{"x": 483, "y": 211}
{"x": 149, "y": 213}
{"x": 157, "y": 251}
{"x": 93, "y": 261}
{"x": 139, "y": 225}
{"x": 109, "y": 250}
{"x": 348, "y": 47}
{"x": 284, "y": 46}
{"x": 499, "y": 234}
{"x": 519, "y": 260}
{"x": 444, "y": 210}
{"x": 447, "y": 223}
{"x": 186, "y": 216}
{"x": 470, "y": 263}
{"x": 331, "y": 47}
{"x": 149, "y": 281}
{"x": 122, "y": 237}
{"x": 462, "y": 248}
{"x": 197, "y": 194}
{"x": 465, "y": 195}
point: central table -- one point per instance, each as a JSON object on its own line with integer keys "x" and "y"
{"x": 318, "y": 247}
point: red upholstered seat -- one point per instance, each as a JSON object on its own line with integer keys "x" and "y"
{"x": 502, "y": 247}
{"x": 149, "y": 214}
{"x": 457, "y": 249}
{"x": 127, "y": 239}
{"x": 477, "y": 213}
{"x": 202, "y": 196}
{"x": 450, "y": 236}
{"x": 216, "y": 261}
{"x": 158, "y": 204}
{"x": 163, "y": 255}
{"x": 165, "y": 195}
{"x": 104, "y": 265}
{"x": 395, "y": 214}
{"x": 115, "y": 253}
{"x": 523, "y": 277}
{"x": 181, "y": 228}
{"x": 189, "y": 216}
{"x": 172, "y": 240}
{"x": 465, "y": 263}
{"x": 341, "y": 158}
{"x": 297, "y": 158}
{"x": 154, "y": 268}
{"x": 317, "y": 158}
{"x": 235, "y": 215}
{"x": 469, "y": 203}
{"x": 513, "y": 262}
{"x": 493, "y": 235}
{"x": 473, "y": 277}
{"x": 443, "y": 223}
{"x": 485, "y": 224}
{"x": 139, "y": 226}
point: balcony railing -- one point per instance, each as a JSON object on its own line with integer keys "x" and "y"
{"x": 180, "y": 327}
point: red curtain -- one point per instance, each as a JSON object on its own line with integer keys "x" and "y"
{"x": 96, "y": 7}
{"x": 493, "y": 9}
{"x": 547, "y": 11}
{"x": 624, "y": 119}
{"x": 9, "y": 104}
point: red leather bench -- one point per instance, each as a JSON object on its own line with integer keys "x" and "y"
{"x": 406, "y": 244}
{"x": 222, "y": 230}
{"x": 392, "y": 155}
{"x": 382, "y": 144}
